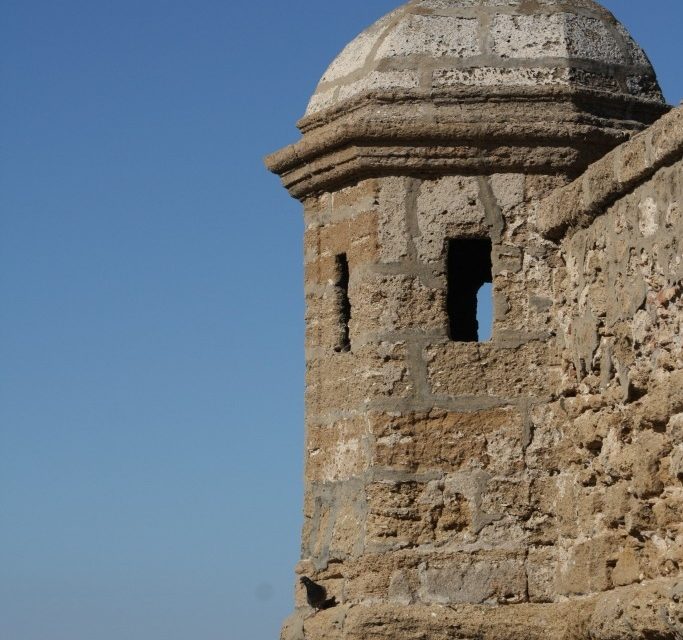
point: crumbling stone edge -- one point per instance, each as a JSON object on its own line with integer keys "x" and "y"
{"x": 576, "y": 206}
{"x": 648, "y": 610}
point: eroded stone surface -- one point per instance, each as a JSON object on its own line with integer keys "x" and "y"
{"x": 529, "y": 486}
{"x": 451, "y": 43}
{"x": 543, "y": 465}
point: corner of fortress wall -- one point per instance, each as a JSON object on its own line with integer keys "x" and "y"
{"x": 527, "y": 487}
{"x": 476, "y": 502}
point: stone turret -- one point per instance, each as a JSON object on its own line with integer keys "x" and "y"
{"x": 426, "y": 150}
{"x": 442, "y": 86}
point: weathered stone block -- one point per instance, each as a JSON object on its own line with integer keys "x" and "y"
{"x": 355, "y": 237}
{"x": 393, "y": 230}
{"x": 497, "y": 76}
{"x": 447, "y": 208}
{"x": 541, "y": 569}
{"x": 386, "y": 302}
{"x": 332, "y": 382}
{"x": 449, "y": 441}
{"x": 337, "y": 451}
{"x": 333, "y": 525}
{"x": 484, "y": 577}
{"x": 324, "y": 328}
{"x": 589, "y": 37}
{"x": 432, "y": 35}
{"x": 632, "y": 613}
{"x": 483, "y": 369}
{"x": 532, "y": 36}
{"x": 406, "y": 514}
{"x": 355, "y": 200}
{"x": 587, "y": 566}
{"x": 369, "y": 578}
{"x": 627, "y": 569}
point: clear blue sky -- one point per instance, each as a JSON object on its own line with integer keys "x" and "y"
{"x": 151, "y": 333}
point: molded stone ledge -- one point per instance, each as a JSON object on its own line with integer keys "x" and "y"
{"x": 468, "y": 130}
{"x": 588, "y": 100}
{"x": 609, "y": 179}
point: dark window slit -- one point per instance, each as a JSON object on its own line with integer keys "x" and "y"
{"x": 342, "y": 283}
{"x": 469, "y": 268}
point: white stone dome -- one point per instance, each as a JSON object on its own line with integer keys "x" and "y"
{"x": 428, "y": 46}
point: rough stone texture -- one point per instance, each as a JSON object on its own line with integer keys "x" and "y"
{"x": 614, "y": 176}
{"x": 530, "y": 486}
{"x": 462, "y": 87}
{"x": 461, "y": 39}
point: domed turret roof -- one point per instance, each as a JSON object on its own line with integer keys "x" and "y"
{"x": 474, "y": 86}
{"x": 429, "y": 46}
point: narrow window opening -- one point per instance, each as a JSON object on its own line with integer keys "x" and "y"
{"x": 342, "y": 272}
{"x": 469, "y": 269}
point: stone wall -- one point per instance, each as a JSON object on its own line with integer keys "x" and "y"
{"x": 616, "y": 497}
{"x": 416, "y": 444}
{"x": 527, "y": 487}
